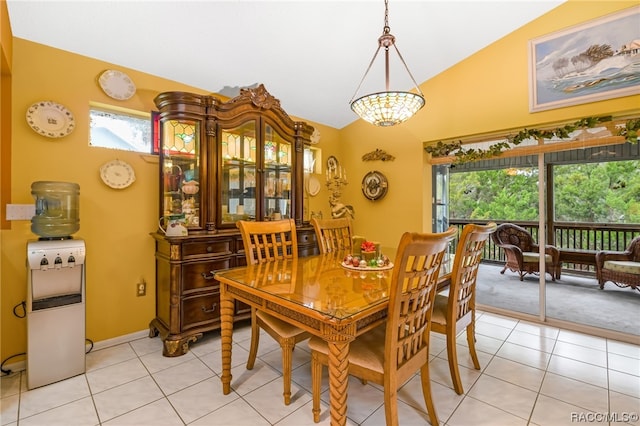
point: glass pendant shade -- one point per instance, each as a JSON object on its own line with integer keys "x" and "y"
{"x": 390, "y": 107}
{"x": 387, "y": 108}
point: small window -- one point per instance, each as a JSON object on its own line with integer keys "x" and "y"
{"x": 122, "y": 129}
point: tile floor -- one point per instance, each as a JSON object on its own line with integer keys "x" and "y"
{"x": 531, "y": 374}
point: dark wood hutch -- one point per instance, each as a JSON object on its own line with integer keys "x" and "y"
{"x": 220, "y": 162}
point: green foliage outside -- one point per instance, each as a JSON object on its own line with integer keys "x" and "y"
{"x": 589, "y": 192}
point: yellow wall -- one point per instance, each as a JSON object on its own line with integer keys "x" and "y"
{"x": 486, "y": 92}
{"x": 115, "y": 224}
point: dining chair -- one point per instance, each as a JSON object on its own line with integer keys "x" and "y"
{"x": 264, "y": 242}
{"x": 391, "y": 353}
{"x": 456, "y": 311}
{"x": 333, "y": 234}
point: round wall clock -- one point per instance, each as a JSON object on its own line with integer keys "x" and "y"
{"x": 117, "y": 174}
{"x": 332, "y": 163}
{"x": 374, "y": 185}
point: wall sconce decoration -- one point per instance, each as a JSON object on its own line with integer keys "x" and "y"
{"x": 378, "y": 154}
{"x": 336, "y": 179}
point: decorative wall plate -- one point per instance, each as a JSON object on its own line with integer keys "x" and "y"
{"x": 374, "y": 185}
{"x": 117, "y": 174}
{"x": 117, "y": 85}
{"x": 332, "y": 163}
{"x": 313, "y": 186}
{"x": 50, "y": 119}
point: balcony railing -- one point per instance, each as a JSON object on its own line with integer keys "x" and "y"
{"x": 569, "y": 236}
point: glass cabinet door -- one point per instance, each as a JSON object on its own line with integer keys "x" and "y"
{"x": 277, "y": 175}
{"x": 181, "y": 171}
{"x": 238, "y": 184}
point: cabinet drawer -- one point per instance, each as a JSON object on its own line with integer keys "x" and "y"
{"x": 307, "y": 238}
{"x": 199, "y": 275}
{"x": 198, "y": 310}
{"x": 207, "y": 248}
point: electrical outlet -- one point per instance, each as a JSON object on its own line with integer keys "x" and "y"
{"x": 141, "y": 288}
{"x": 20, "y": 211}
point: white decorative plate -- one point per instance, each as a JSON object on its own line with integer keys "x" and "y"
{"x": 313, "y": 186}
{"x": 50, "y": 119}
{"x": 117, "y": 174}
{"x": 117, "y": 85}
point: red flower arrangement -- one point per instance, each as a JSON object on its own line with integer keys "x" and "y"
{"x": 368, "y": 246}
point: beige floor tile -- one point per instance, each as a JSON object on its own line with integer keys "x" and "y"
{"x": 265, "y": 400}
{"x": 552, "y": 412}
{"x": 474, "y": 412}
{"x": 200, "y": 399}
{"x": 582, "y": 339}
{"x": 230, "y": 413}
{"x": 81, "y": 413}
{"x": 527, "y": 356}
{"x": 244, "y": 381}
{"x": 115, "y": 375}
{"x": 586, "y": 396}
{"x": 624, "y": 364}
{"x": 581, "y": 353}
{"x": 503, "y": 395}
{"x": 125, "y": 398}
{"x": 627, "y": 384}
{"x": 516, "y": 373}
{"x": 537, "y": 329}
{"x": 624, "y": 349}
{"x": 578, "y": 370}
{"x": 532, "y": 341}
{"x": 528, "y": 378}
{"x": 158, "y": 413}
{"x": 181, "y": 376}
{"x": 625, "y": 407}
{"x": 9, "y": 409}
{"x": 54, "y": 395}
{"x": 109, "y": 356}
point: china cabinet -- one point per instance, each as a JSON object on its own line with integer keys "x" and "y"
{"x": 220, "y": 162}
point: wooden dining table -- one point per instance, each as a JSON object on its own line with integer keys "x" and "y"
{"x": 318, "y": 294}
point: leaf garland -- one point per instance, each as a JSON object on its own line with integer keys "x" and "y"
{"x": 442, "y": 149}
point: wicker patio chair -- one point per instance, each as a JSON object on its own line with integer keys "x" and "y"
{"x": 620, "y": 267}
{"x": 522, "y": 252}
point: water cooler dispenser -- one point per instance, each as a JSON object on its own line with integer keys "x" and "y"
{"x": 55, "y": 287}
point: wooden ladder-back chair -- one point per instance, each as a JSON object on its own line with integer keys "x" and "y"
{"x": 391, "y": 353}
{"x": 522, "y": 252}
{"x": 456, "y": 311}
{"x": 264, "y": 242}
{"x": 333, "y": 234}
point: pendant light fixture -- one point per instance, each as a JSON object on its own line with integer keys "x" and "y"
{"x": 387, "y": 108}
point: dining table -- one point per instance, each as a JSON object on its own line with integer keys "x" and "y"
{"x": 320, "y": 294}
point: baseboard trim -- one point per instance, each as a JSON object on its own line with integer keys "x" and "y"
{"x": 119, "y": 340}
{"x": 22, "y": 365}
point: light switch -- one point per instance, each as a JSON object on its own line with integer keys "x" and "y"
{"x": 20, "y": 211}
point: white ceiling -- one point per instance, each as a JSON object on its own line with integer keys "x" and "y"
{"x": 309, "y": 54}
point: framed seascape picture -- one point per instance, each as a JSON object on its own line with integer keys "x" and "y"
{"x": 593, "y": 61}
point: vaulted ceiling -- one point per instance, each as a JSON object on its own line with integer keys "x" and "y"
{"x": 309, "y": 54}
